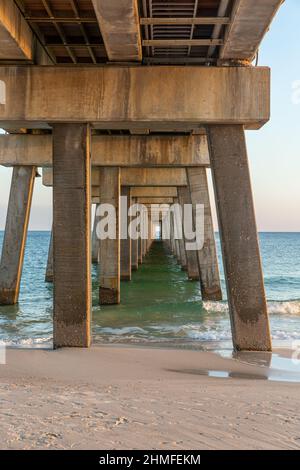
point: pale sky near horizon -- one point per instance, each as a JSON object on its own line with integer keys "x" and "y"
{"x": 274, "y": 151}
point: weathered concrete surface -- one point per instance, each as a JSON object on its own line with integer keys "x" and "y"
{"x": 181, "y": 243}
{"x": 155, "y": 200}
{"x": 16, "y": 38}
{"x": 13, "y": 248}
{"x": 137, "y": 177}
{"x": 192, "y": 264}
{"x": 39, "y": 95}
{"x": 154, "y": 191}
{"x": 128, "y": 151}
{"x": 134, "y": 247}
{"x": 95, "y": 241}
{"x": 71, "y": 235}
{"x": 241, "y": 257}
{"x": 250, "y": 21}
{"x": 120, "y": 29}
{"x": 49, "y": 269}
{"x": 125, "y": 243}
{"x": 109, "y": 290}
{"x": 207, "y": 256}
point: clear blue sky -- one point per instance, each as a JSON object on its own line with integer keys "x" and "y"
{"x": 274, "y": 151}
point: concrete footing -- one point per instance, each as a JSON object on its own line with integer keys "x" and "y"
{"x": 15, "y": 234}
{"x": 71, "y": 235}
{"x": 237, "y": 225}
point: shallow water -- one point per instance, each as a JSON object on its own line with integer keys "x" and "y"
{"x": 159, "y": 305}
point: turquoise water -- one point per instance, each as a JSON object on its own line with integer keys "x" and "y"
{"x": 159, "y": 305}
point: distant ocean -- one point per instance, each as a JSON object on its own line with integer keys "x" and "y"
{"x": 159, "y": 306}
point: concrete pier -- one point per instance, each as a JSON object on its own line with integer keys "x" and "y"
{"x": 15, "y": 234}
{"x": 49, "y": 269}
{"x": 237, "y": 225}
{"x": 207, "y": 256}
{"x": 180, "y": 241}
{"x": 71, "y": 235}
{"x": 95, "y": 241}
{"x": 192, "y": 264}
{"x": 109, "y": 289}
{"x": 152, "y": 126}
{"x": 134, "y": 250}
{"x": 125, "y": 242}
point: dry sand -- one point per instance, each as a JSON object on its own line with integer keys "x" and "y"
{"x": 136, "y": 398}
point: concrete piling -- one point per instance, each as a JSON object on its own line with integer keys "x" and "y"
{"x": 109, "y": 289}
{"x": 71, "y": 235}
{"x": 16, "y": 233}
{"x": 207, "y": 255}
{"x": 237, "y": 225}
{"x": 125, "y": 242}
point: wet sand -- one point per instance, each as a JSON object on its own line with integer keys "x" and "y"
{"x": 139, "y": 398}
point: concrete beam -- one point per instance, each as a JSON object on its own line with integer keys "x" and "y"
{"x": 153, "y": 191}
{"x": 155, "y": 200}
{"x": 136, "y": 177}
{"x": 39, "y": 95}
{"x": 122, "y": 151}
{"x": 120, "y": 29}
{"x": 16, "y": 38}
{"x": 250, "y": 21}
{"x": 139, "y": 177}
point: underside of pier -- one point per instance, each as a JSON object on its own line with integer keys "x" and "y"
{"x": 126, "y": 105}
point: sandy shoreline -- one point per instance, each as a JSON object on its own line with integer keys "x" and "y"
{"x": 125, "y": 398}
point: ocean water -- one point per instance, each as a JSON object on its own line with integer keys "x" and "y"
{"x": 159, "y": 305}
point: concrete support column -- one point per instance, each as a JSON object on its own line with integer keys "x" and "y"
{"x": 72, "y": 235}
{"x": 49, "y": 269}
{"x": 134, "y": 249}
{"x": 172, "y": 239}
{"x": 150, "y": 234}
{"x": 15, "y": 234}
{"x": 237, "y": 225}
{"x": 192, "y": 264}
{"x": 181, "y": 243}
{"x": 144, "y": 232}
{"x": 95, "y": 241}
{"x": 109, "y": 292}
{"x": 207, "y": 256}
{"x": 125, "y": 242}
{"x": 140, "y": 243}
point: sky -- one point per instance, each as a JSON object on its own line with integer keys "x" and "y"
{"x": 274, "y": 150}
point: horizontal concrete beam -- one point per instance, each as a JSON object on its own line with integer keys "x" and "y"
{"x": 159, "y": 199}
{"x": 137, "y": 177}
{"x": 153, "y": 200}
{"x": 154, "y": 191}
{"x": 120, "y": 29}
{"x": 249, "y": 23}
{"x": 16, "y": 38}
{"x": 129, "y": 151}
{"x": 135, "y": 96}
